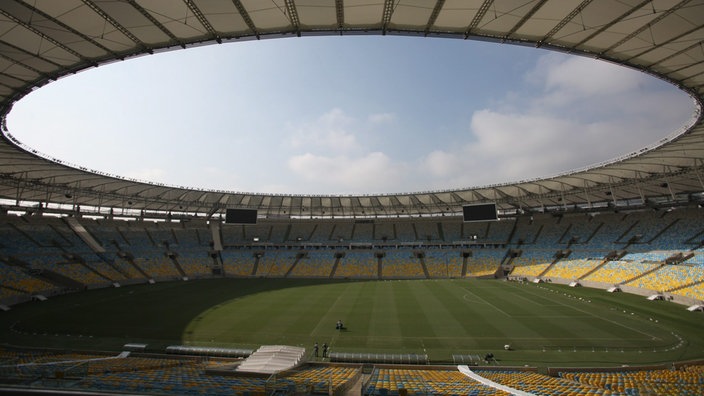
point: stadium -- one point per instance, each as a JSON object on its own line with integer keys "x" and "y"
{"x": 587, "y": 282}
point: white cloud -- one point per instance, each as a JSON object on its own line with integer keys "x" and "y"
{"x": 508, "y": 147}
{"x": 586, "y": 113}
{"x": 568, "y": 112}
{"x": 584, "y": 76}
{"x": 343, "y": 174}
{"x": 568, "y": 81}
{"x": 327, "y": 132}
{"x": 441, "y": 163}
{"x": 382, "y": 118}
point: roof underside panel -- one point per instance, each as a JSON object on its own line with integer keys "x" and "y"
{"x": 179, "y": 21}
{"x": 42, "y": 40}
{"x": 362, "y": 14}
{"x": 30, "y": 36}
{"x": 317, "y": 14}
{"x": 268, "y": 16}
{"x": 411, "y": 14}
{"x": 456, "y": 15}
{"x": 135, "y": 21}
{"x": 74, "y": 15}
{"x": 546, "y": 18}
{"x": 224, "y": 17}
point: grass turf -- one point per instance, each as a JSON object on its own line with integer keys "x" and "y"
{"x": 544, "y": 324}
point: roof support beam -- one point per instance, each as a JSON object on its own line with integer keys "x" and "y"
{"x": 389, "y": 7}
{"x": 67, "y": 28}
{"x": 586, "y": 194}
{"x": 4, "y": 44}
{"x": 478, "y": 17}
{"x": 293, "y": 16}
{"x": 646, "y": 26}
{"x": 526, "y": 17}
{"x": 340, "y": 13}
{"x": 118, "y": 26}
{"x": 156, "y": 23}
{"x": 674, "y": 54}
{"x": 613, "y": 22}
{"x": 38, "y": 72}
{"x": 565, "y": 21}
{"x": 247, "y": 19}
{"x": 203, "y": 20}
{"x": 664, "y": 43}
{"x": 434, "y": 15}
{"x": 699, "y": 177}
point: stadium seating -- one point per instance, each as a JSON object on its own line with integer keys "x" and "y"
{"x": 388, "y": 381}
{"x": 571, "y": 269}
{"x": 384, "y": 232}
{"x": 363, "y": 232}
{"x": 357, "y": 265}
{"x": 302, "y": 232}
{"x": 341, "y": 231}
{"x": 443, "y": 264}
{"x": 401, "y": 263}
{"x": 18, "y": 281}
{"x": 618, "y": 272}
{"x": 540, "y": 384}
{"x": 127, "y": 268}
{"x": 644, "y": 382}
{"x": 164, "y": 375}
{"x": 484, "y": 262}
{"x": 323, "y": 232}
{"x": 275, "y": 264}
{"x": 694, "y": 291}
{"x": 315, "y": 264}
{"x": 696, "y": 259}
{"x": 238, "y": 262}
{"x": 529, "y": 266}
{"x": 137, "y": 251}
{"x": 195, "y": 263}
{"x": 427, "y": 231}
{"x": 668, "y": 277}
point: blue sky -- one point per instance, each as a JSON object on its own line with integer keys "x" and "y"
{"x": 348, "y": 115}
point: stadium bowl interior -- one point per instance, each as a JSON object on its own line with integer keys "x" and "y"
{"x": 80, "y": 238}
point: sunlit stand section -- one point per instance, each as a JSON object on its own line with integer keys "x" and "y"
{"x": 271, "y": 359}
{"x": 469, "y": 373}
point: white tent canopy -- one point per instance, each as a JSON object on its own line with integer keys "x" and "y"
{"x": 41, "y": 41}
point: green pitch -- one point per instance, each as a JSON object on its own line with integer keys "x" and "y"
{"x": 544, "y": 324}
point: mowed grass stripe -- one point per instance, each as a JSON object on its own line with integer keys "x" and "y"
{"x": 533, "y": 328}
{"x": 449, "y": 318}
{"x": 338, "y": 302}
{"x": 531, "y": 331}
{"x": 439, "y": 316}
{"x": 384, "y": 321}
{"x": 479, "y": 319}
{"x": 591, "y": 332}
{"x": 540, "y": 322}
{"x": 286, "y": 314}
{"x": 433, "y": 315}
{"x": 603, "y": 324}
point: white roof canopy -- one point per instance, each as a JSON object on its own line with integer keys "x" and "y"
{"x": 42, "y": 40}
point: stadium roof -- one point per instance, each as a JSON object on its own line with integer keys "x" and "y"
{"x": 42, "y": 40}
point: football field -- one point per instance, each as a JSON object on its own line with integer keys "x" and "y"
{"x": 543, "y": 324}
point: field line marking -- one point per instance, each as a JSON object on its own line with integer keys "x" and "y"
{"x": 532, "y": 302}
{"x": 599, "y": 317}
{"x": 323, "y": 318}
{"x": 487, "y": 302}
{"x": 555, "y": 316}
